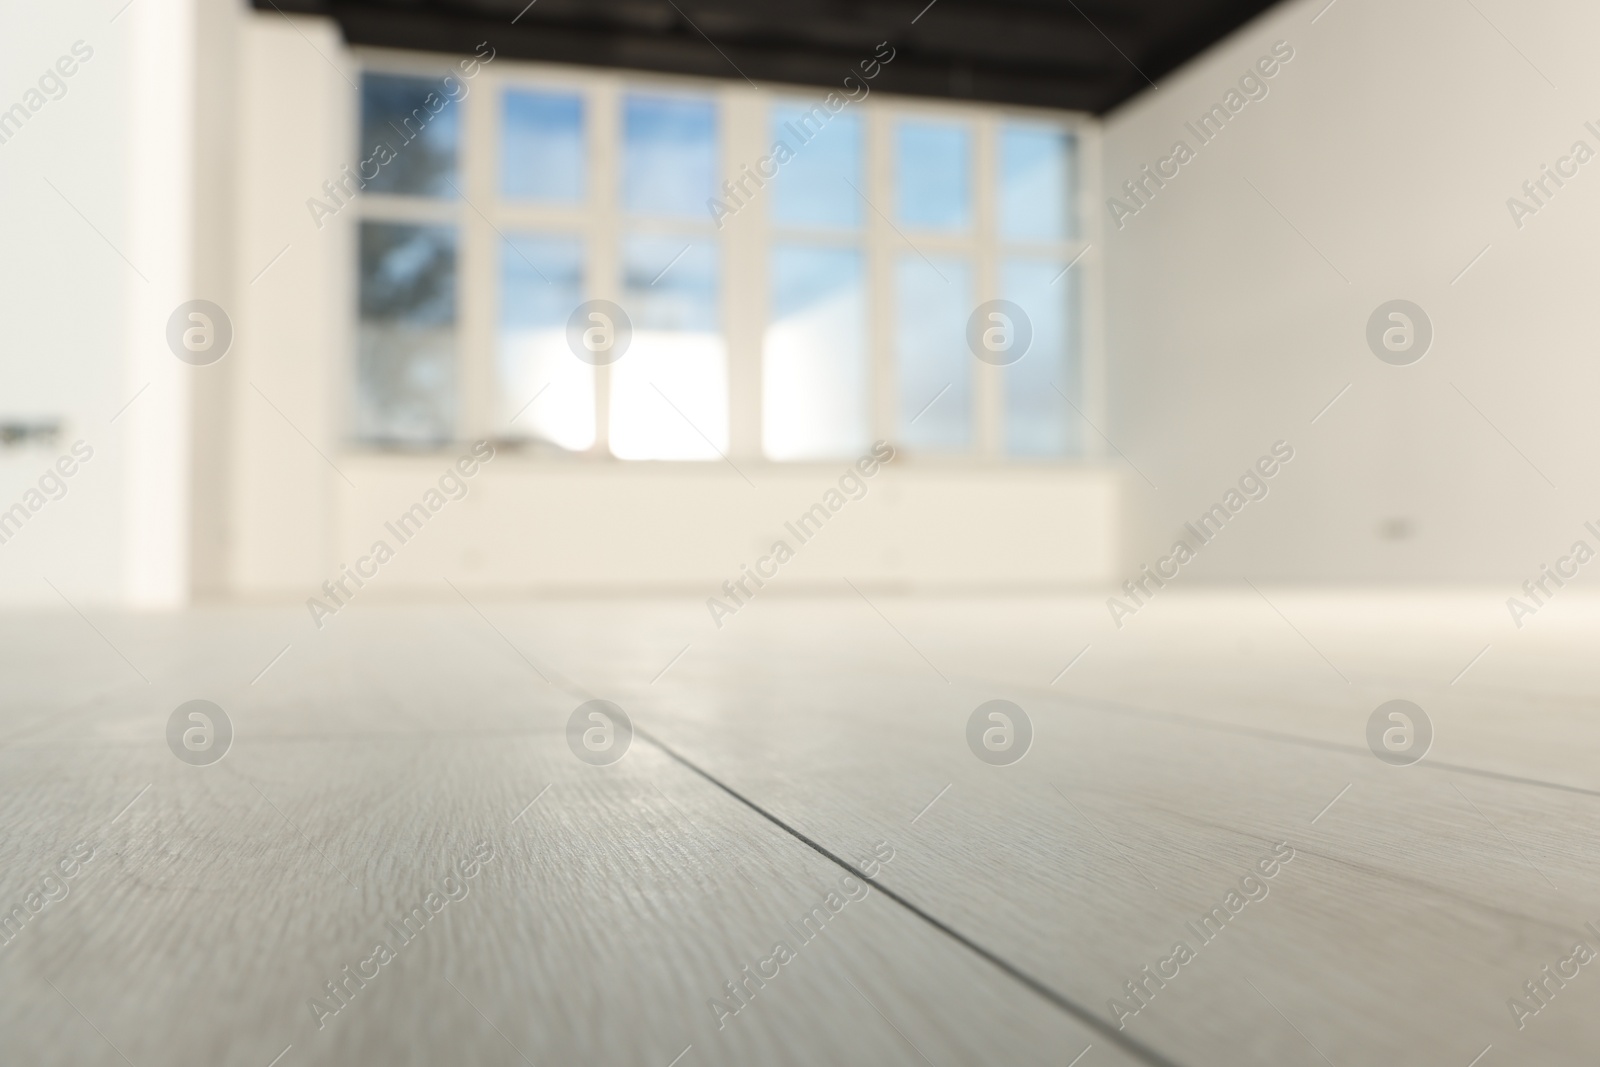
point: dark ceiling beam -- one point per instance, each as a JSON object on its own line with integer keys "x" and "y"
{"x": 1197, "y": 31}
{"x": 1074, "y": 54}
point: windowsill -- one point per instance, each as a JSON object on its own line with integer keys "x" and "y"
{"x": 569, "y": 462}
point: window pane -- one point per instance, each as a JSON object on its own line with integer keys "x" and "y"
{"x": 671, "y": 386}
{"x": 933, "y": 363}
{"x": 541, "y": 150}
{"x": 406, "y": 377}
{"x": 1036, "y": 183}
{"x": 814, "y": 365}
{"x": 811, "y": 189}
{"x": 421, "y": 140}
{"x": 541, "y": 281}
{"x": 933, "y": 185}
{"x": 1039, "y": 421}
{"x": 669, "y": 155}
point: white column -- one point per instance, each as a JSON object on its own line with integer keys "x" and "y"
{"x": 155, "y": 429}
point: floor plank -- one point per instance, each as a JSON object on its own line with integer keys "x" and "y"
{"x": 1420, "y": 903}
{"x": 1165, "y": 765}
{"x": 220, "y": 899}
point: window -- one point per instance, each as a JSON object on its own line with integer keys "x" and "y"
{"x": 669, "y": 394}
{"x": 395, "y": 111}
{"x": 793, "y": 281}
{"x": 407, "y": 339}
{"x": 932, "y": 174}
{"x": 541, "y": 281}
{"x": 815, "y": 380}
{"x": 406, "y": 360}
{"x": 542, "y": 153}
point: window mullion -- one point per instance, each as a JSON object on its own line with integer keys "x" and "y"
{"x": 881, "y": 244}
{"x": 745, "y": 243}
{"x": 988, "y": 381}
{"x": 478, "y": 282}
{"x": 1090, "y": 324}
{"x": 603, "y": 270}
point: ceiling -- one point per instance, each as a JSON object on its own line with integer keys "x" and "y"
{"x": 1086, "y": 55}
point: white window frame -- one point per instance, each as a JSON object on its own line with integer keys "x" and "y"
{"x": 744, "y": 242}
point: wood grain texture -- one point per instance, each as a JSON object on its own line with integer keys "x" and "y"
{"x": 1167, "y": 762}
{"x": 1416, "y": 906}
{"x": 219, "y": 900}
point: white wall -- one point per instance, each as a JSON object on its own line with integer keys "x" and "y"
{"x": 1391, "y": 142}
{"x": 620, "y": 527}
{"x": 295, "y": 111}
{"x": 92, "y": 267}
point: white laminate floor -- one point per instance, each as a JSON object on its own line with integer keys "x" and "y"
{"x": 652, "y": 911}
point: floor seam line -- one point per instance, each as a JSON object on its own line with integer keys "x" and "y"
{"x": 1083, "y": 1015}
{"x": 1263, "y": 734}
